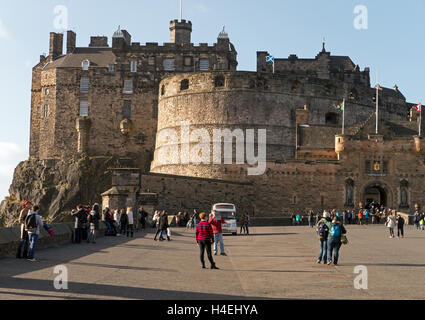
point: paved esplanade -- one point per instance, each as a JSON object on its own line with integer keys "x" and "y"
{"x": 276, "y": 262}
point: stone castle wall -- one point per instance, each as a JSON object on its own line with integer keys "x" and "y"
{"x": 249, "y": 100}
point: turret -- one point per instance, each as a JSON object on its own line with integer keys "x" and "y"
{"x": 339, "y": 145}
{"x": 180, "y": 31}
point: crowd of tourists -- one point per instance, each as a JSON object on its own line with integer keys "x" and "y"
{"x": 332, "y": 233}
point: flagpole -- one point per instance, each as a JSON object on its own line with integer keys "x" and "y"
{"x": 181, "y": 10}
{"x": 377, "y": 103}
{"x": 343, "y": 118}
{"x": 420, "y": 121}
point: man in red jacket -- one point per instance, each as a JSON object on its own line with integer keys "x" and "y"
{"x": 204, "y": 238}
{"x": 216, "y": 224}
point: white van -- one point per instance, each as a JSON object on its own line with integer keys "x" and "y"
{"x": 228, "y": 212}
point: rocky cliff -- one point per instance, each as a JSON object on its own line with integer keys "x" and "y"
{"x": 57, "y": 186}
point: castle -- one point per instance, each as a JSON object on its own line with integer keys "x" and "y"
{"x": 103, "y": 101}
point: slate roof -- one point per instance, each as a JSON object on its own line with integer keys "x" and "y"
{"x": 98, "y": 57}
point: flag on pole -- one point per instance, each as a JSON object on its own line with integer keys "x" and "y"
{"x": 270, "y": 58}
{"x": 419, "y": 107}
{"x": 341, "y": 106}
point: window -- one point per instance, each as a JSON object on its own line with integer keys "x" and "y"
{"x": 126, "y": 109}
{"x": 169, "y": 64}
{"x": 47, "y": 92}
{"x": 368, "y": 167}
{"x": 111, "y": 68}
{"x": 204, "y": 64}
{"x": 84, "y": 108}
{"x": 86, "y": 65}
{"x": 84, "y": 85}
{"x": 155, "y": 111}
{"x": 219, "y": 81}
{"x": 184, "y": 84}
{"x": 46, "y": 111}
{"x": 151, "y": 61}
{"x": 128, "y": 86}
{"x": 331, "y": 118}
{"x": 349, "y": 193}
{"x": 133, "y": 66}
{"x": 187, "y": 61}
{"x": 38, "y": 110}
{"x": 162, "y": 90}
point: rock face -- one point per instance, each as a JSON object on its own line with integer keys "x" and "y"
{"x": 57, "y": 186}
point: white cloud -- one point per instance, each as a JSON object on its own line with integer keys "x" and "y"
{"x": 3, "y": 32}
{"x": 10, "y": 156}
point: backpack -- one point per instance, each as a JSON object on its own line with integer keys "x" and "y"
{"x": 322, "y": 230}
{"x": 31, "y": 223}
{"x": 335, "y": 230}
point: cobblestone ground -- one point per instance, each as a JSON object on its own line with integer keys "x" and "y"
{"x": 273, "y": 262}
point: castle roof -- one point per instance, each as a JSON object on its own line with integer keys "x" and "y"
{"x": 98, "y": 57}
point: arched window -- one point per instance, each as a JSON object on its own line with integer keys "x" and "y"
{"x": 184, "y": 84}
{"x": 331, "y": 118}
{"x": 162, "y": 90}
{"x": 219, "y": 81}
{"x": 85, "y": 65}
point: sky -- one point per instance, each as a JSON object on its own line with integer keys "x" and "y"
{"x": 389, "y": 41}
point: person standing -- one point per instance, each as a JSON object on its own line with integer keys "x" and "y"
{"x": 323, "y": 227}
{"x": 195, "y": 218}
{"x": 360, "y": 217}
{"x": 117, "y": 219}
{"x": 80, "y": 218}
{"x": 416, "y": 219}
{"x": 400, "y": 226}
{"x": 33, "y": 225}
{"x": 242, "y": 223}
{"x": 311, "y": 219}
{"x": 163, "y": 226}
{"x": 334, "y": 240}
{"x": 216, "y": 224}
{"x": 156, "y": 220}
{"x": 93, "y": 222}
{"x": 293, "y": 219}
{"x": 130, "y": 225}
{"x": 22, "y": 251}
{"x": 204, "y": 239}
{"x": 298, "y": 219}
{"x": 247, "y": 222}
{"x": 391, "y": 222}
{"x": 123, "y": 222}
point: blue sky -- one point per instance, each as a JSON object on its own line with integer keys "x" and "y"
{"x": 393, "y": 42}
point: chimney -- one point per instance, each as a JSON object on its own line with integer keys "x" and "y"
{"x": 98, "y": 41}
{"x": 56, "y": 45}
{"x": 180, "y": 31}
{"x": 71, "y": 39}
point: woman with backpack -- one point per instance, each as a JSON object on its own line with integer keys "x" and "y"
{"x": 323, "y": 227}
{"x": 336, "y": 232}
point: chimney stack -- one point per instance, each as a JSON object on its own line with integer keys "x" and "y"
{"x": 71, "y": 40}
{"x": 56, "y": 45}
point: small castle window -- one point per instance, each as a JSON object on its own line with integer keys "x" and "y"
{"x": 184, "y": 84}
{"x": 84, "y": 108}
{"x": 204, "y": 65}
{"x": 47, "y": 92}
{"x": 126, "y": 109}
{"x": 155, "y": 111}
{"x": 331, "y": 118}
{"x": 84, "y": 85}
{"x": 187, "y": 61}
{"x": 86, "y": 65}
{"x": 111, "y": 68}
{"x": 133, "y": 66}
{"x": 38, "y": 109}
{"x": 219, "y": 81}
{"x": 151, "y": 61}
{"x": 169, "y": 64}
{"x": 46, "y": 111}
{"x": 162, "y": 90}
{"x": 128, "y": 86}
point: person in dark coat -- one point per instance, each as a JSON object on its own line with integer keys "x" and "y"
{"x": 123, "y": 221}
{"x": 80, "y": 223}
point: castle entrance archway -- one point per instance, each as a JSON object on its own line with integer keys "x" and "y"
{"x": 377, "y": 193}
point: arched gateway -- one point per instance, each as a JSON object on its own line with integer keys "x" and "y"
{"x": 377, "y": 192}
